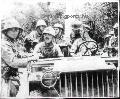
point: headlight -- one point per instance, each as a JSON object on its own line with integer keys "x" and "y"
{"x": 49, "y": 79}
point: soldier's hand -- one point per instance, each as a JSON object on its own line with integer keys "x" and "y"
{"x": 33, "y": 58}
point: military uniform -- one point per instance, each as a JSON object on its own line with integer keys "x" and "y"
{"x": 51, "y": 51}
{"x": 12, "y": 59}
{"x": 10, "y": 53}
{"x": 47, "y": 50}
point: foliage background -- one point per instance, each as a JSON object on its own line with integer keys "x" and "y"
{"x": 101, "y": 16}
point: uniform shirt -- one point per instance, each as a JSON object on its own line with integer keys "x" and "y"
{"x": 9, "y": 57}
{"x": 9, "y": 54}
{"x": 51, "y": 51}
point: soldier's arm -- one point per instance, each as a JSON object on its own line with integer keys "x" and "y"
{"x": 11, "y": 59}
{"x": 74, "y": 48}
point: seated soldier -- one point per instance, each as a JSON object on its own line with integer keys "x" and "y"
{"x": 80, "y": 46}
{"x": 48, "y": 49}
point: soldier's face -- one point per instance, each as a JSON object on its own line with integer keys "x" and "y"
{"x": 13, "y": 32}
{"x": 48, "y": 38}
{"x": 57, "y": 30}
{"x": 42, "y": 27}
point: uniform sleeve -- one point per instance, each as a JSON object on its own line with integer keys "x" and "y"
{"x": 74, "y": 47}
{"x": 10, "y": 57}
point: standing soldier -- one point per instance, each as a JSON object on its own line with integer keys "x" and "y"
{"x": 41, "y": 25}
{"x": 35, "y": 36}
{"x": 59, "y": 38}
{"x": 11, "y": 57}
{"x": 58, "y": 33}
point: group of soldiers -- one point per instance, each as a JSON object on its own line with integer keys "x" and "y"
{"x": 44, "y": 42}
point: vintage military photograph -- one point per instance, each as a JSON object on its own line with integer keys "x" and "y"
{"x": 59, "y": 48}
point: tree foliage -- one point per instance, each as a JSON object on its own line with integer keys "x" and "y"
{"x": 101, "y": 16}
{"x": 29, "y": 17}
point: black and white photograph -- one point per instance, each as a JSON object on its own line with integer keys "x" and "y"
{"x": 59, "y": 49}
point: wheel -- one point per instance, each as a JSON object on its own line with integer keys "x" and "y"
{"x": 88, "y": 48}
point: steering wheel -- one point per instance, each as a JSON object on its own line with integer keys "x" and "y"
{"x": 88, "y": 48}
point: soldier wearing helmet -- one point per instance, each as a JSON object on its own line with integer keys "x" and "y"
{"x": 58, "y": 33}
{"x": 76, "y": 30}
{"x": 35, "y": 36}
{"x": 48, "y": 49}
{"x": 60, "y": 39}
{"x": 11, "y": 56}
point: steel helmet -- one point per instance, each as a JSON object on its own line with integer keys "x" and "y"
{"x": 10, "y": 23}
{"x": 41, "y": 22}
{"x": 57, "y": 25}
{"x": 49, "y": 30}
